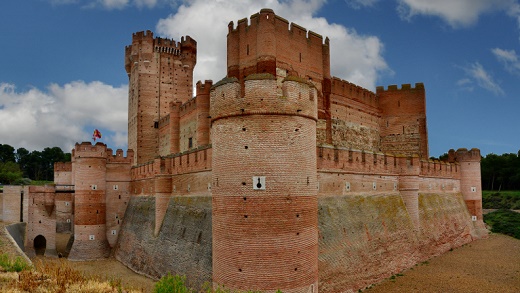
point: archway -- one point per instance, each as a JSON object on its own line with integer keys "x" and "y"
{"x": 40, "y": 243}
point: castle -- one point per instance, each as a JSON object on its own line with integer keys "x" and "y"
{"x": 278, "y": 176}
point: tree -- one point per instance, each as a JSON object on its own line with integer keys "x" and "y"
{"x": 6, "y": 153}
{"x": 9, "y": 172}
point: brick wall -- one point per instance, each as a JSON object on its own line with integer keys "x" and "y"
{"x": 264, "y": 239}
{"x": 41, "y": 218}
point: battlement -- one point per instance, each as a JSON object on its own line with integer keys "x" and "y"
{"x": 342, "y": 160}
{"x": 270, "y": 44}
{"x": 463, "y": 155}
{"x": 347, "y": 89}
{"x": 100, "y": 150}
{"x": 86, "y": 149}
{"x": 144, "y": 43}
{"x": 204, "y": 88}
{"x": 119, "y": 157}
{"x": 189, "y": 106}
{"x": 279, "y": 22}
{"x": 404, "y": 87}
{"x": 261, "y": 96}
{"x": 62, "y": 166}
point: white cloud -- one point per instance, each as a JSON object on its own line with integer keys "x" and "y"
{"x": 357, "y": 4}
{"x": 354, "y": 57}
{"x": 456, "y": 12}
{"x": 63, "y": 115}
{"x": 509, "y": 58}
{"x": 478, "y": 74}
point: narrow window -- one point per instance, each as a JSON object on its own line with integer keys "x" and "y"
{"x": 190, "y": 142}
{"x": 247, "y": 50}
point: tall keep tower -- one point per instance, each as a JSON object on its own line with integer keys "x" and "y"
{"x": 265, "y": 225}
{"x": 160, "y": 71}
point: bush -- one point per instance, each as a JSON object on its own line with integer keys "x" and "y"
{"x": 501, "y": 200}
{"x": 171, "y": 284}
{"x": 505, "y": 222}
{"x": 16, "y": 265}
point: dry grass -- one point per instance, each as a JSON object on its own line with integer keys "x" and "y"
{"x": 56, "y": 277}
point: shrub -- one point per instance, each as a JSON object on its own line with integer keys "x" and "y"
{"x": 505, "y": 222}
{"x": 16, "y": 265}
{"x": 171, "y": 284}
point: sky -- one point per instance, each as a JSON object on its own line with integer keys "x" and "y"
{"x": 62, "y": 61}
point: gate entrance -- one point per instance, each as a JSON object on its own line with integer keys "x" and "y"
{"x": 40, "y": 244}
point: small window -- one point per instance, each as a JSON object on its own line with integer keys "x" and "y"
{"x": 156, "y": 124}
{"x": 190, "y": 142}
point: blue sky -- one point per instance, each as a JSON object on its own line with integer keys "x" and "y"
{"x": 62, "y": 68}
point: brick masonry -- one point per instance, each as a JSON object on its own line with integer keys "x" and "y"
{"x": 278, "y": 176}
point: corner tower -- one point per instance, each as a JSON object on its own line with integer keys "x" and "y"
{"x": 265, "y": 225}
{"x": 160, "y": 71}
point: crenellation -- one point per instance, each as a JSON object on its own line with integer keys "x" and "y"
{"x": 404, "y": 87}
{"x": 295, "y": 171}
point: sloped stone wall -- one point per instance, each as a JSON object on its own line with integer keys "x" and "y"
{"x": 183, "y": 245}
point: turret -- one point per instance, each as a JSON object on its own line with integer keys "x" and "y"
{"x": 90, "y": 166}
{"x": 470, "y": 179}
{"x": 265, "y": 234}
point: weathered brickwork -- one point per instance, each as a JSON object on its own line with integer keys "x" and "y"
{"x": 278, "y": 176}
{"x": 41, "y": 220}
{"x": 160, "y": 71}
{"x": 264, "y": 237}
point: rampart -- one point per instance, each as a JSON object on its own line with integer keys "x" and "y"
{"x": 276, "y": 177}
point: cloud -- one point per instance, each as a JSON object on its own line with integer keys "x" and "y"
{"x": 357, "y": 4}
{"x": 476, "y": 73}
{"x": 509, "y": 58}
{"x": 355, "y": 57}
{"x": 457, "y": 13}
{"x": 63, "y": 115}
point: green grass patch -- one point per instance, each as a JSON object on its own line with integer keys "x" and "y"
{"x": 501, "y": 200}
{"x": 504, "y": 221}
{"x": 10, "y": 265}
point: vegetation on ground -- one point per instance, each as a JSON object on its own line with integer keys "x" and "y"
{"x": 177, "y": 284}
{"x": 505, "y": 222}
{"x": 9, "y": 264}
{"x": 52, "y": 276}
{"x": 501, "y": 200}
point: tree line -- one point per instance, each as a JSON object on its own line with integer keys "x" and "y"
{"x": 501, "y": 172}
{"x": 20, "y": 166}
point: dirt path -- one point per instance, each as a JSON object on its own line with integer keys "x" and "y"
{"x": 488, "y": 265}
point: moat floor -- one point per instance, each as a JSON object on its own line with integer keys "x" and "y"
{"x": 487, "y": 265}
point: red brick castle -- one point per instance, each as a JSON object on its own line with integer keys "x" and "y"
{"x": 279, "y": 176}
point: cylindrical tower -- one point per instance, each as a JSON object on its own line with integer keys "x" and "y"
{"x": 409, "y": 187}
{"x": 90, "y": 241}
{"x": 265, "y": 233}
{"x": 470, "y": 180}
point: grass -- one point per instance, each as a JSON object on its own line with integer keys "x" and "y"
{"x": 501, "y": 200}
{"x": 177, "y": 284}
{"x": 51, "y": 276}
{"x": 504, "y": 221}
{"x": 10, "y": 265}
